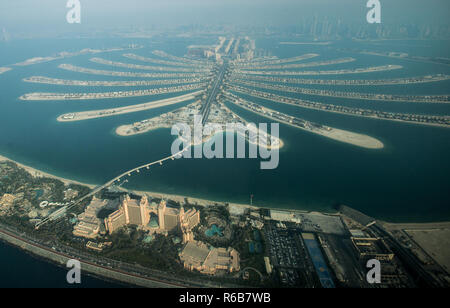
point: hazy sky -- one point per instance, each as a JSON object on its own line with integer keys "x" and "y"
{"x": 33, "y": 14}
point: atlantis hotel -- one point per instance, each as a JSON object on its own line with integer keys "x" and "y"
{"x": 142, "y": 214}
{"x": 158, "y": 219}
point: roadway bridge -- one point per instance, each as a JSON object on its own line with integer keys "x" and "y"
{"x": 205, "y": 113}
{"x": 118, "y": 179}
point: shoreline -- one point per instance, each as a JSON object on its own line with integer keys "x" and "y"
{"x": 59, "y": 255}
{"x": 38, "y": 173}
{"x": 204, "y": 202}
{"x": 122, "y": 129}
{"x": 201, "y": 201}
{"x": 58, "y": 258}
{"x": 54, "y": 96}
{"x": 4, "y": 69}
{"x": 375, "y": 117}
{"x": 371, "y": 69}
{"x": 345, "y": 136}
{"x": 101, "y": 113}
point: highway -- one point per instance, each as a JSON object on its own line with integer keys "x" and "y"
{"x": 102, "y": 266}
{"x": 213, "y": 93}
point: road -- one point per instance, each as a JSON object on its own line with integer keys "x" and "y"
{"x": 100, "y": 265}
{"x": 213, "y": 93}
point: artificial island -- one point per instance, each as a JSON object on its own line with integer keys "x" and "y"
{"x": 132, "y": 236}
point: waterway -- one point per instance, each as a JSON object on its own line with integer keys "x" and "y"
{"x": 19, "y": 269}
{"x": 405, "y": 181}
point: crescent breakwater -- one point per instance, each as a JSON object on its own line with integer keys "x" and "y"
{"x": 106, "y": 95}
{"x": 79, "y": 69}
{"x": 146, "y": 67}
{"x": 93, "y": 114}
{"x": 371, "y": 69}
{"x": 104, "y": 83}
{"x": 351, "y": 95}
{"x": 434, "y": 120}
{"x": 356, "y": 139}
{"x": 342, "y": 82}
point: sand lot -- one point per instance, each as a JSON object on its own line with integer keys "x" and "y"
{"x": 436, "y": 242}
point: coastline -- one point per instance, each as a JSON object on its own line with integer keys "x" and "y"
{"x": 102, "y": 272}
{"x": 100, "y": 113}
{"x": 38, "y": 173}
{"x": 122, "y": 131}
{"x": 345, "y": 136}
{"x": 59, "y": 255}
{"x": 178, "y": 198}
{"x": 204, "y": 202}
{"x": 4, "y": 69}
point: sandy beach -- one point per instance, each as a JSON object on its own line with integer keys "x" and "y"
{"x": 238, "y": 207}
{"x": 126, "y": 130}
{"x": 38, "y": 173}
{"x": 360, "y": 140}
{"x": 195, "y": 201}
{"x": 4, "y": 69}
{"x": 178, "y": 198}
{"x": 357, "y": 139}
{"x": 93, "y": 114}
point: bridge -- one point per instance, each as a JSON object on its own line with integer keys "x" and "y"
{"x": 117, "y": 179}
{"x": 205, "y": 113}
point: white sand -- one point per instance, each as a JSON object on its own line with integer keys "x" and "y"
{"x": 38, "y": 173}
{"x": 92, "y": 114}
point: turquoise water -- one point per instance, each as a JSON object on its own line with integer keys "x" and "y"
{"x": 405, "y": 181}
{"x": 214, "y": 230}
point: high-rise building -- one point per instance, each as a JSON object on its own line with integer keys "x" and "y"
{"x": 161, "y": 211}
{"x": 131, "y": 211}
{"x": 138, "y": 213}
{"x": 115, "y": 221}
{"x": 171, "y": 219}
{"x": 88, "y": 225}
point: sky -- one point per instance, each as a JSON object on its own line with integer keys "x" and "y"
{"x": 51, "y": 14}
